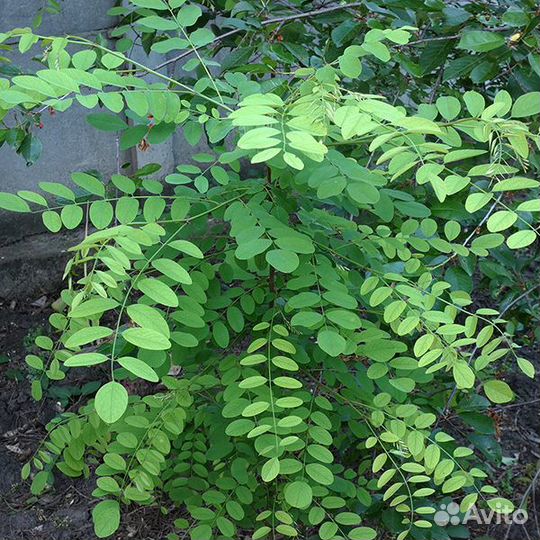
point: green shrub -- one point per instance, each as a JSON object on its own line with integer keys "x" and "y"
{"x": 301, "y": 322}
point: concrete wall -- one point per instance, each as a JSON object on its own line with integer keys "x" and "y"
{"x": 69, "y": 144}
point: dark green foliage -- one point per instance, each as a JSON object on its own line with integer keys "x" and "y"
{"x": 299, "y": 324}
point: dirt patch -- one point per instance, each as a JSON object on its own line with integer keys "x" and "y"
{"x": 64, "y": 512}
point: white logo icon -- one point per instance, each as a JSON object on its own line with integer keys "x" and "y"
{"x": 449, "y": 514}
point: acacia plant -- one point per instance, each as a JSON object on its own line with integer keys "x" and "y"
{"x": 286, "y": 297}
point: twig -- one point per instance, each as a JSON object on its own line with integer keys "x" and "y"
{"x": 267, "y": 22}
{"x": 436, "y": 85}
{"x": 522, "y": 404}
{"x": 429, "y": 40}
{"x": 523, "y": 500}
{"x": 520, "y": 297}
{"x": 484, "y": 219}
{"x": 447, "y": 38}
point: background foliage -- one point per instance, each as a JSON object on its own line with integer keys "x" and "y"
{"x": 300, "y": 298}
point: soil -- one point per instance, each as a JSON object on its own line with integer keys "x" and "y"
{"x": 64, "y": 512}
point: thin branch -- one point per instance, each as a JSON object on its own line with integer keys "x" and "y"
{"x": 267, "y": 22}
{"x": 447, "y": 38}
{"x": 429, "y": 40}
{"x": 520, "y": 297}
{"x": 524, "y": 500}
{"x": 484, "y": 219}
{"x": 436, "y": 85}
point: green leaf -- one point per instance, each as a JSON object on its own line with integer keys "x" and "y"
{"x": 112, "y": 61}
{"x": 85, "y": 359}
{"x": 362, "y": 533}
{"x": 123, "y": 183}
{"x": 150, "y": 4}
{"x": 127, "y": 209}
{"x": 71, "y": 216}
{"x": 61, "y": 191}
{"x": 158, "y": 291}
{"x": 189, "y": 15}
{"x": 253, "y": 382}
{"x": 331, "y": 342}
{"x": 111, "y": 402}
{"x": 84, "y": 59}
{"x": 449, "y": 107}
{"x": 321, "y": 474}
{"x": 158, "y": 23}
{"x": 463, "y": 374}
{"x": 94, "y": 306}
{"x": 101, "y": 214}
{"x": 41, "y": 479}
{"x": 298, "y": 494}
{"x": 501, "y": 505}
{"x": 60, "y": 78}
{"x": 293, "y": 160}
{"x": 521, "y": 239}
{"x": 480, "y": 41}
{"x": 13, "y": 203}
{"x": 454, "y": 483}
{"x": 350, "y": 65}
{"x": 345, "y": 319}
{"x": 106, "y": 518}
{"x": 32, "y": 197}
{"x": 188, "y": 248}
{"x": 250, "y": 249}
{"x": 502, "y": 220}
{"x": 265, "y": 155}
{"x": 363, "y": 193}
{"x": 106, "y": 122}
{"x": 393, "y": 310}
{"x": 168, "y": 45}
{"x": 138, "y": 367}
{"x": 26, "y": 41}
{"x": 256, "y": 408}
{"x": 87, "y": 335}
{"x": 146, "y": 338}
{"x": 283, "y": 260}
{"x": 526, "y": 105}
{"x": 476, "y": 201}
{"x": 498, "y": 391}
{"x": 172, "y": 270}
{"x": 132, "y": 136}
{"x": 403, "y": 384}
{"x": 89, "y": 183}
{"x": 377, "y": 49}
{"x": 270, "y": 469}
{"x": 201, "y": 37}
{"x": 527, "y": 367}
{"x": 148, "y": 317}
{"x": 221, "y": 335}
